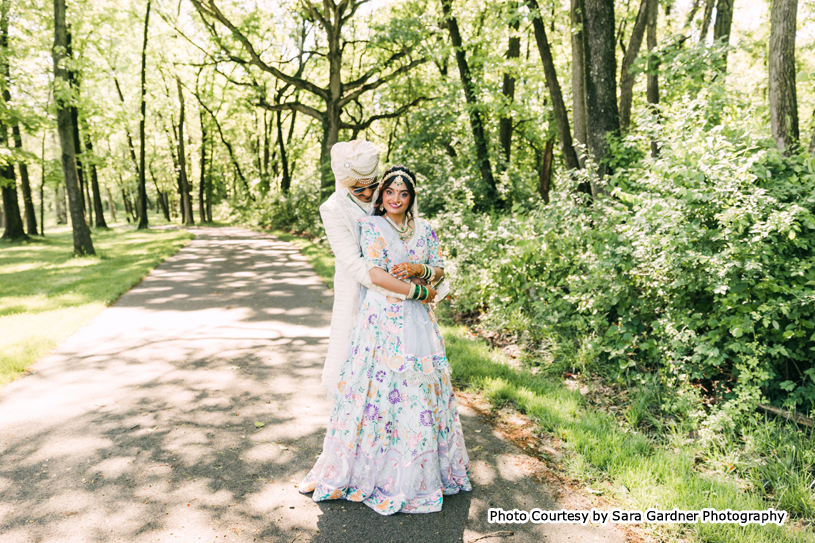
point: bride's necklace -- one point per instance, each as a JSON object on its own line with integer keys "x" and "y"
{"x": 404, "y": 232}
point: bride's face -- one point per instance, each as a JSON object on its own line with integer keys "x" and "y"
{"x": 396, "y": 198}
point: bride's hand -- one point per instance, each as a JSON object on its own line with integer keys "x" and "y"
{"x": 406, "y": 270}
{"x": 431, "y": 295}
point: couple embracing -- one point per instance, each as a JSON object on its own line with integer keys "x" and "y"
{"x": 394, "y": 439}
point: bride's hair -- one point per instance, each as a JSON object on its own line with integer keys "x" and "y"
{"x": 408, "y": 177}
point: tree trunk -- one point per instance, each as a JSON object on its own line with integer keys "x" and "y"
{"x": 783, "y": 97}
{"x": 626, "y": 76}
{"x": 143, "y": 221}
{"x": 111, "y": 205}
{"x": 508, "y": 86}
{"x": 564, "y": 131}
{"x": 42, "y": 185}
{"x": 545, "y": 169}
{"x": 724, "y": 20}
{"x": 81, "y": 233}
{"x": 285, "y": 182}
{"x": 209, "y": 184}
{"x": 29, "y": 212}
{"x": 12, "y": 220}
{"x": 60, "y": 208}
{"x": 601, "y": 83}
{"x": 652, "y": 82}
{"x": 267, "y": 132}
{"x": 73, "y": 80}
{"x": 202, "y": 182}
{"x": 96, "y": 195}
{"x": 476, "y": 125}
{"x": 182, "y": 163}
{"x": 579, "y": 78}
{"x": 703, "y": 31}
{"x": 128, "y": 208}
{"x": 130, "y": 145}
{"x": 162, "y": 197}
{"x": 812, "y": 139}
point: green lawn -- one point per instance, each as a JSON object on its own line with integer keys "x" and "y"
{"x": 46, "y": 294}
{"x": 626, "y": 465}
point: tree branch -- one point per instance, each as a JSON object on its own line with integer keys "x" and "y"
{"x": 381, "y": 81}
{"x": 401, "y": 111}
{"x": 292, "y": 106}
{"x": 212, "y": 10}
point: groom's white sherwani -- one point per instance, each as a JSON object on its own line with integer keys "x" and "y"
{"x": 340, "y": 214}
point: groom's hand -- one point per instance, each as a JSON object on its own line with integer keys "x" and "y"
{"x": 418, "y": 281}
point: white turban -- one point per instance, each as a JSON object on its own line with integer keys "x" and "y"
{"x": 354, "y": 160}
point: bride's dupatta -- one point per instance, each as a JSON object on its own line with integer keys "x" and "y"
{"x": 413, "y": 346}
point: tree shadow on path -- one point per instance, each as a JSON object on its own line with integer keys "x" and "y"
{"x": 191, "y": 408}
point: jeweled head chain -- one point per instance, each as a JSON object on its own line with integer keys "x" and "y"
{"x": 397, "y": 173}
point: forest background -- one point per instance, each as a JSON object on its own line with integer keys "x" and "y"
{"x": 625, "y": 190}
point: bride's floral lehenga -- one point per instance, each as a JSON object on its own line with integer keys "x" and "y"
{"x": 394, "y": 440}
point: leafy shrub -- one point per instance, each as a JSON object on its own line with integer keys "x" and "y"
{"x": 699, "y": 267}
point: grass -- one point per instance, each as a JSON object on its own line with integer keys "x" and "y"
{"x": 632, "y": 468}
{"x": 46, "y": 294}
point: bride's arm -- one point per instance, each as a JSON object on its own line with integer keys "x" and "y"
{"x": 383, "y": 279}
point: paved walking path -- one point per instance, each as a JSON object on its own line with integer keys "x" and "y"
{"x": 189, "y": 410}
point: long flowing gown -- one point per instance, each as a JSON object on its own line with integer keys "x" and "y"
{"x": 394, "y": 439}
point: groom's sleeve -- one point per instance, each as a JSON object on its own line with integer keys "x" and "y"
{"x": 347, "y": 255}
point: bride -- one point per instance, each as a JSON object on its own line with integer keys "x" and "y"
{"x": 394, "y": 439}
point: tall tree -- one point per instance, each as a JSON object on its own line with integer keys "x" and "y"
{"x": 783, "y": 97}
{"x": 202, "y": 215}
{"x": 601, "y": 82}
{"x": 652, "y": 82}
{"x": 578, "y": 76}
{"x": 333, "y": 18}
{"x": 182, "y": 163}
{"x": 476, "y": 123}
{"x": 564, "y": 131}
{"x": 724, "y": 21}
{"x": 73, "y": 79}
{"x": 508, "y": 84}
{"x": 11, "y": 207}
{"x": 705, "y": 28}
{"x": 143, "y": 108}
{"x": 63, "y": 95}
{"x": 29, "y": 214}
{"x": 285, "y": 181}
{"x": 627, "y": 77}
{"x": 98, "y": 212}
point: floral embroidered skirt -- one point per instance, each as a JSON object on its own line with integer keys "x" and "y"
{"x": 394, "y": 440}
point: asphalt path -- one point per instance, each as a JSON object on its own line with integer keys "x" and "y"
{"x": 191, "y": 408}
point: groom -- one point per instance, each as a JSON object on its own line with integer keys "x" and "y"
{"x": 356, "y": 170}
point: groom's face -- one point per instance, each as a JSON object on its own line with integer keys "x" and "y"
{"x": 367, "y": 194}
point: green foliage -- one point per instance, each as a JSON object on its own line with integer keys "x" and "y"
{"x": 699, "y": 267}
{"x": 298, "y": 211}
{"x": 630, "y": 466}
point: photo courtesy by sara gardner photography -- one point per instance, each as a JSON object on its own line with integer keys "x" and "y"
{"x": 407, "y": 270}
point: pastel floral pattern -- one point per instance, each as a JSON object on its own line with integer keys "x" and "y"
{"x": 394, "y": 439}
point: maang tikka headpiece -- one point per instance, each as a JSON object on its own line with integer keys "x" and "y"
{"x": 397, "y": 173}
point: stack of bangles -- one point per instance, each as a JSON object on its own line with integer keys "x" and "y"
{"x": 418, "y": 292}
{"x": 428, "y": 274}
